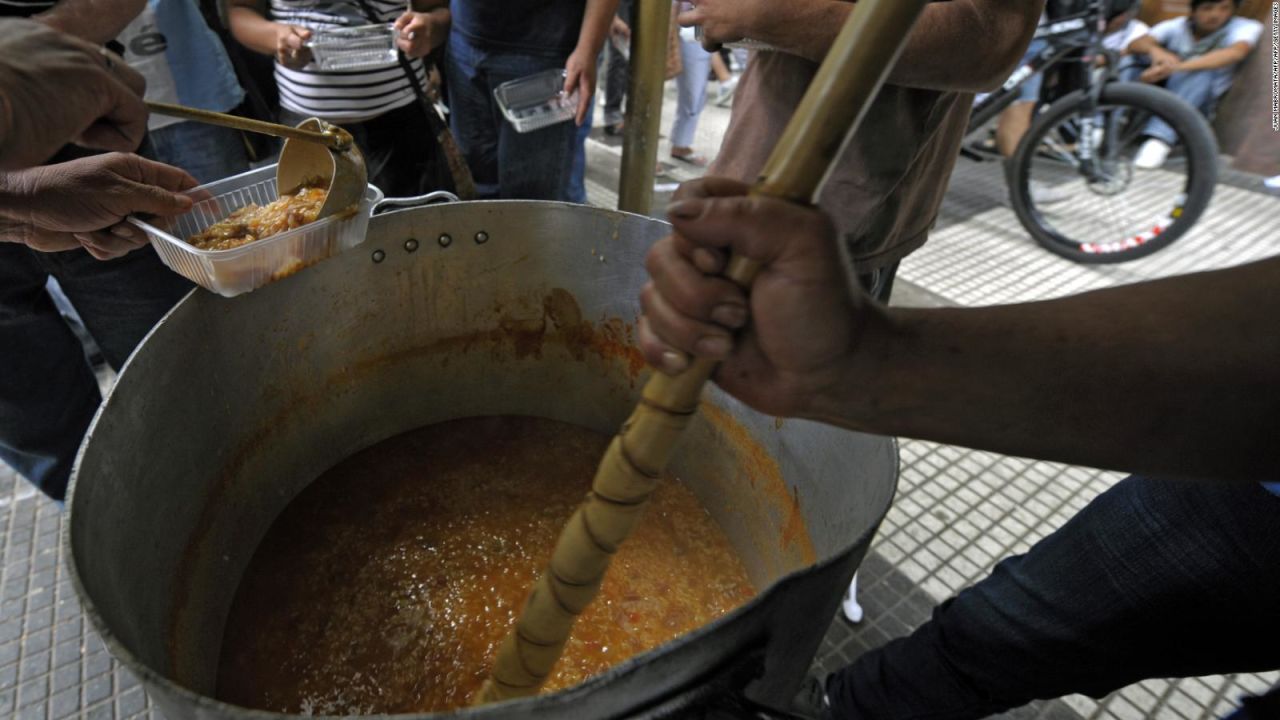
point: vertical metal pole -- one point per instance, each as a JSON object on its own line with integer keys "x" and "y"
{"x": 644, "y": 105}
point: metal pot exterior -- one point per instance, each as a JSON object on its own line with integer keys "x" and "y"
{"x": 230, "y": 407}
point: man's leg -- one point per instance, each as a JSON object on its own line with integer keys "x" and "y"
{"x": 615, "y": 85}
{"x": 1197, "y": 89}
{"x": 577, "y": 190}
{"x": 691, "y": 93}
{"x": 1016, "y": 119}
{"x": 48, "y": 394}
{"x": 1153, "y": 578}
{"x": 207, "y": 152}
{"x": 119, "y": 300}
{"x": 534, "y": 165}
{"x": 473, "y": 113}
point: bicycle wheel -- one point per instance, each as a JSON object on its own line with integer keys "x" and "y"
{"x": 1074, "y": 187}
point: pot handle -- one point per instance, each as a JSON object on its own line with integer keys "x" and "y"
{"x": 415, "y": 201}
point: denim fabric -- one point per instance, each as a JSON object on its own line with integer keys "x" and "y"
{"x": 1154, "y": 578}
{"x": 207, "y": 152}
{"x": 1030, "y": 90}
{"x": 617, "y": 75}
{"x": 617, "y": 72}
{"x": 691, "y": 92}
{"x": 397, "y": 147}
{"x": 1198, "y": 89}
{"x": 505, "y": 164}
{"x": 577, "y": 191}
{"x": 48, "y": 393}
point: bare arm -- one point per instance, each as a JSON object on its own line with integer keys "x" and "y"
{"x": 1149, "y": 46}
{"x": 250, "y": 26}
{"x": 1175, "y": 377}
{"x": 1220, "y": 58}
{"x": 252, "y": 29}
{"x": 94, "y": 20}
{"x": 423, "y": 27}
{"x": 580, "y": 68}
{"x": 982, "y": 40}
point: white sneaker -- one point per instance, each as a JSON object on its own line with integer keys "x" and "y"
{"x": 1151, "y": 155}
{"x": 1042, "y": 194}
{"x": 850, "y": 607}
{"x": 1272, "y": 183}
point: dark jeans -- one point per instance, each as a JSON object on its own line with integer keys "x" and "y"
{"x": 617, "y": 73}
{"x": 1154, "y": 578}
{"x": 506, "y": 164}
{"x": 48, "y": 394}
{"x": 398, "y": 149}
{"x": 207, "y": 152}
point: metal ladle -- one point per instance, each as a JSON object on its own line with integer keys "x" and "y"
{"x": 315, "y": 153}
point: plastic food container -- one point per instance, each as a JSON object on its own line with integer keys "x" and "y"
{"x": 744, "y": 43}
{"x": 248, "y": 267}
{"x": 354, "y": 48}
{"x": 537, "y": 101}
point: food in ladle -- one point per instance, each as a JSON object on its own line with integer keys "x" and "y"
{"x": 387, "y": 585}
{"x": 254, "y": 222}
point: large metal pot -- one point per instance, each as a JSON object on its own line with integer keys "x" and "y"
{"x": 231, "y": 407}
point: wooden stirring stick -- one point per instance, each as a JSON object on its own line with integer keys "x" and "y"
{"x": 333, "y": 141}
{"x": 834, "y": 104}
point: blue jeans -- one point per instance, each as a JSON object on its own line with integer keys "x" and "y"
{"x": 207, "y": 152}
{"x": 577, "y": 190}
{"x": 1154, "y": 578}
{"x": 505, "y": 164}
{"x": 48, "y": 394}
{"x": 691, "y": 92}
{"x": 1198, "y": 88}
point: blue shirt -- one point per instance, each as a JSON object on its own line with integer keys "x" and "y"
{"x": 181, "y": 57}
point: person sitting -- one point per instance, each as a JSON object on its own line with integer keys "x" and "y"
{"x": 1195, "y": 57}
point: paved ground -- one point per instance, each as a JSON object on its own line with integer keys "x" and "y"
{"x": 957, "y": 510}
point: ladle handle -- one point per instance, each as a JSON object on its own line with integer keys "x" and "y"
{"x": 333, "y": 142}
{"x": 837, "y": 98}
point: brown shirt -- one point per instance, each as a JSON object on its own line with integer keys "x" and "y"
{"x": 884, "y": 194}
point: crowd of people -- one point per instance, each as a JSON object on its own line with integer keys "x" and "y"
{"x": 1175, "y": 571}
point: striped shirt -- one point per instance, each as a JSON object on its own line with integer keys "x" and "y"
{"x": 342, "y": 96}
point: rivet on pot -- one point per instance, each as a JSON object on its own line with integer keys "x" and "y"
{"x": 445, "y": 241}
{"x": 410, "y": 245}
{"x": 379, "y": 256}
{"x": 482, "y": 237}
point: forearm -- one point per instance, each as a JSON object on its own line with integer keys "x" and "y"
{"x": 252, "y": 29}
{"x": 1176, "y": 377}
{"x": 1226, "y": 57}
{"x": 596, "y": 20}
{"x": 94, "y": 20}
{"x": 1145, "y": 45}
{"x": 13, "y": 194}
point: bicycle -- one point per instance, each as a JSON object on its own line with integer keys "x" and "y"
{"x": 1082, "y": 144}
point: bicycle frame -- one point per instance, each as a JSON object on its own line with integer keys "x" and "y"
{"x": 1065, "y": 35}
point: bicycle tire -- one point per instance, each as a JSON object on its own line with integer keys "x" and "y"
{"x": 1194, "y": 134}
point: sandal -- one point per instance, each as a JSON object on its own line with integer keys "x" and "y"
{"x": 693, "y": 158}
